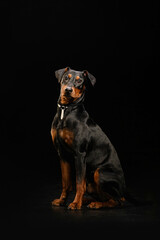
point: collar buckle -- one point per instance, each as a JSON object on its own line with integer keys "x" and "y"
{"x": 63, "y": 108}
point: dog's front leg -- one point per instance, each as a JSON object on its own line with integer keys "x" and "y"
{"x": 66, "y": 183}
{"x": 80, "y": 165}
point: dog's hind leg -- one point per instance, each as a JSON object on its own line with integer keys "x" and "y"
{"x": 108, "y": 204}
{"x": 105, "y": 200}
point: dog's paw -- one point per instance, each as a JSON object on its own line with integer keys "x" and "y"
{"x": 95, "y": 205}
{"x": 75, "y": 205}
{"x": 58, "y": 202}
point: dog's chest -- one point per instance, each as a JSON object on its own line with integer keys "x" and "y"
{"x": 64, "y": 136}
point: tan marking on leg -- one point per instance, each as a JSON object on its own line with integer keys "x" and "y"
{"x": 108, "y": 204}
{"x": 53, "y": 134}
{"x": 80, "y": 190}
{"x": 103, "y": 196}
{"x": 96, "y": 176}
{"x": 66, "y": 183}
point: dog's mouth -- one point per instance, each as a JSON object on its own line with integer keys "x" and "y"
{"x": 66, "y": 98}
{"x": 67, "y": 95}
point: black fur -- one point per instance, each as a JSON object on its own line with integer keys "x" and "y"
{"x": 91, "y": 149}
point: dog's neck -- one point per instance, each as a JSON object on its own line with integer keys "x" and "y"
{"x": 64, "y": 108}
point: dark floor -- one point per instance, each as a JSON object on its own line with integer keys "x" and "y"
{"x": 29, "y": 207}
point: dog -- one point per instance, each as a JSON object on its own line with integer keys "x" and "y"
{"x": 77, "y": 138}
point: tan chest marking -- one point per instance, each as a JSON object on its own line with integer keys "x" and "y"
{"x": 53, "y": 134}
{"x": 66, "y": 135}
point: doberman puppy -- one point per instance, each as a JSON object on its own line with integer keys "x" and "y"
{"x": 78, "y": 138}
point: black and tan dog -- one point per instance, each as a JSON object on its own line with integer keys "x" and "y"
{"x": 78, "y": 138}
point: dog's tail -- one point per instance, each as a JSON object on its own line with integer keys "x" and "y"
{"x": 136, "y": 200}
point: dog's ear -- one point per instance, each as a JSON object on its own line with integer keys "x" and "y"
{"x": 59, "y": 73}
{"x": 88, "y": 75}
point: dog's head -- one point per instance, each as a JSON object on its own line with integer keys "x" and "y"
{"x": 72, "y": 83}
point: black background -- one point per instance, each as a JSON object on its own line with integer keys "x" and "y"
{"x": 115, "y": 41}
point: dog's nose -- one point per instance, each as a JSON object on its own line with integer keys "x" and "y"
{"x": 68, "y": 90}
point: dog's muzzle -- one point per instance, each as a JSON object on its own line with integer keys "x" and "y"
{"x": 68, "y": 90}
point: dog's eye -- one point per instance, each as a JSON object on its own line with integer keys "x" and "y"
{"x": 78, "y": 80}
{"x": 65, "y": 78}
